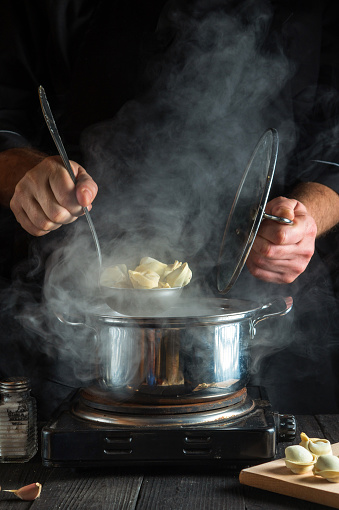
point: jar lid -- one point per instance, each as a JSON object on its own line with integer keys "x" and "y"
{"x": 247, "y": 210}
{"x": 13, "y": 384}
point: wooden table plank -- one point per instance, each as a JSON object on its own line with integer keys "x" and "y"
{"x": 184, "y": 490}
{"x": 98, "y": 489}
{"x": 329, "y": 424}
{"x": 14, "y": 476}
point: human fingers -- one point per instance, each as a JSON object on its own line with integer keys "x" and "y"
{"x": 45, "y": 198}
{"x": 73, "y": 197}
{"x": 280, "y": 264}
{"x": 280, "y": 252}
{"x": 86, "y": 187}
{"x": 35, "y": 222}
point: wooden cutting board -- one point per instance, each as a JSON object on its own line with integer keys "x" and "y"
{"x": 275, "y": 477}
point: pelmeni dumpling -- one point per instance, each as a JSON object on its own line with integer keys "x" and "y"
{"x": 327, "y": 466}
{"x": 180, "y": 276}
{"x": 144, "y": 279}
{"x": 116, "y": 275}
{"x": 315, "y": 445}
{"x": 298, "y": 459}
{"x": 163, "y": 285}
{"x": 171, "y": 267}
{"x": 150, "y": 264}
{"x": 149, "y": 274}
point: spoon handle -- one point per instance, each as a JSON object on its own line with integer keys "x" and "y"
{"x": 63, "y": 154}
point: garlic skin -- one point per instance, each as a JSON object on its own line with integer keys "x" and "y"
{"x": 327, "y": 466}
{"x": 28, "y": 492}
{"x": 298, "y": 459}
{"x": 315, "y": 445}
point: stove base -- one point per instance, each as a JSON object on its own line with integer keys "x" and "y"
{"x": 74, "y": 442}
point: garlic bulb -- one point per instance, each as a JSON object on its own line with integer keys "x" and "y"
{"x": 298, "y": 459}
{"x": 327, "y": 466}
{"x": 315, "y": 445}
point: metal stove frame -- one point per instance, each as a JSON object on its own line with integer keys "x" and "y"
{"x": 68, "y": 440}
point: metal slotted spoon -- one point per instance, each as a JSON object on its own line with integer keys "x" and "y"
{"x": 127, "y": 301}
{"x": 62, "y": 152}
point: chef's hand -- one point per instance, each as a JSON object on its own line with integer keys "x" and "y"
{"x": 46, "y": 197}
{"x": 280, "y": 253}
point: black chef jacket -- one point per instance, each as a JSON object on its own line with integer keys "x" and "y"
{"x": 91, "y": 58}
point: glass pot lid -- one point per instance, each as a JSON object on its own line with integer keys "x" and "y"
{"x": 247, "y": 210}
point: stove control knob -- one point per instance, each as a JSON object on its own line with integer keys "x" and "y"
{"x": 286, "y": 427}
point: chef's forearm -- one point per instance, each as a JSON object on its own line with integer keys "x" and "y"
{"x": 321, "y": 202}
{"x": 14, "y": 163}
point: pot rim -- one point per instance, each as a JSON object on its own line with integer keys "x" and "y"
{"x": 217, "y": 311}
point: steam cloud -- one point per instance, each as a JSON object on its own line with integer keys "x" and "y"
{"x": 168, "y": 165}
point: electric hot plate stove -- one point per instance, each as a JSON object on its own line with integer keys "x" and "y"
{"x": 240, "y": 431}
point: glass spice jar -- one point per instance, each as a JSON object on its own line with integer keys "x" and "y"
{"x": 18, "y": 421}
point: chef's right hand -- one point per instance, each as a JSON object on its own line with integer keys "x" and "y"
{"x": 46, "y": 197}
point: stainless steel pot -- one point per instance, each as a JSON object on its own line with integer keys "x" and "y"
{"x": 201, "y": 352}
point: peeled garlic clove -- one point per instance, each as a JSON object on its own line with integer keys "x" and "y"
{"x": 28, "y": 492}
{"x": 298, "y": 459}
{"x": 180, "y": 276}
{"x": 315, "y": 445}
{"x": 327, "y": 466}
{"x": 144, "y": 280}
{"x": 150, "y": 264}
{"x": 116, "y": 276}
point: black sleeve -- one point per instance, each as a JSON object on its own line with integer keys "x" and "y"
{"x": 38, "y": 43}
{"x": 22, "y": 31}
{"x": 316, "y": 105}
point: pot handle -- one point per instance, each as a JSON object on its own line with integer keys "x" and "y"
{"x": 280, "y": 306}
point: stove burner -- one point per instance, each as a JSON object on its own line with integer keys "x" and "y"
{"x": 91, "y": 407}
{"x": 101, "y": 400}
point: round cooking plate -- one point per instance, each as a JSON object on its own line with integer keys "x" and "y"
{"x": 124, "y": 417}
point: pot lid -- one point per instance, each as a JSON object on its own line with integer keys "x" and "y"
{"x": 247, "y": 210}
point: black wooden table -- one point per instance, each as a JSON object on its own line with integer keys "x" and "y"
{"x": 153, "y": 488}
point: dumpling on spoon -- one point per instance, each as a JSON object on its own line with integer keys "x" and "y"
{"x": 116, "y": 275}
{"x": 144, "y": 279}
{"x": 171, "y": 267}
{"x": 150, "y": 264}
{"x": 180, "y": 276}
{"x": 149, "y": 274}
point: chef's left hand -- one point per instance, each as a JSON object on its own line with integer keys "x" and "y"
{"x": 280, "y": 253}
